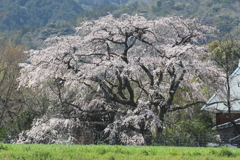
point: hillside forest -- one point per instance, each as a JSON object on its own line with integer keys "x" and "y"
{"x": 129, "y": 71}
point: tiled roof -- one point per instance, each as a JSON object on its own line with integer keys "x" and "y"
{"x": 234, "y": 139}
{"x": 227, "y": 125}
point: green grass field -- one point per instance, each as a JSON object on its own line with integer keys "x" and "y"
{"x": 105, "y": 152}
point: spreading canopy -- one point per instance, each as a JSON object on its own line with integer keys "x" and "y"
{"x": 127, "y": 57}
{"x": 146, "y": 66}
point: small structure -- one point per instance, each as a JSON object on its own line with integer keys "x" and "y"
{"x": 235, "y": 140}
{"x": 226, "y": 113}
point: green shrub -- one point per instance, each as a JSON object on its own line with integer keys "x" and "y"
{"x": 145, "y": 153}
{"x": 213, "y": 152}
{"x": 3, "y": 133}
{"x": 111, "y": 158}
{"x": 42, "y": 155}
{"x": 173, "y": 153}
{"x": 101, "y": 151}
{"x": 3, "y": 147}
{"x": 226, "y": 152}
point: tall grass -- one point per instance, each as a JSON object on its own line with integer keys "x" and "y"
{"x": 105, "y": 152}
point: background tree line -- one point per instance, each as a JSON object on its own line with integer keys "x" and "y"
{"x": 33, "y": 21}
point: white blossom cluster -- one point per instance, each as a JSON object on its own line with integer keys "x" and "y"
{"x": 96, "y": 50}
{"x": 49, "y": 131}
{"x": 123, "y": 59}
{"x": 131, "y": 128}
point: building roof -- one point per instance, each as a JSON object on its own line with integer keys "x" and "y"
{"x": 235, "y": 139}
{"x": 217, "y": 103}
{"x": 227, "y": 125}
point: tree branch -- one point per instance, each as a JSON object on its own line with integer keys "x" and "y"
{"x": 187, "y": 106}
{"x": 150, "y": 76}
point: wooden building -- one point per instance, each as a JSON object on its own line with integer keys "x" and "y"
{"x": 226, "y": 113}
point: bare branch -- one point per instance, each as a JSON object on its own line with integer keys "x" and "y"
{"x": 187, "y": 106}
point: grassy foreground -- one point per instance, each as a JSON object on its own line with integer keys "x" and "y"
{"x": 105, "y": 152}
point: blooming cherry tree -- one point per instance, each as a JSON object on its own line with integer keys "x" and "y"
{"x": 129, "y": 61}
